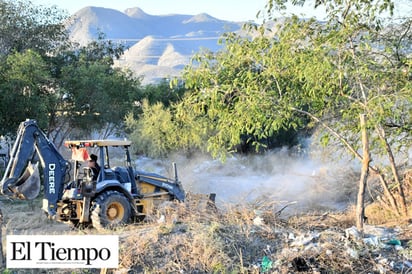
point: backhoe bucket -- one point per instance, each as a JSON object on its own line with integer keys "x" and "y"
{"x": 27, "y": 186}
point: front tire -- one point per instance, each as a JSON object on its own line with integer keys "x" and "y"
{"x": 110, "y": 209}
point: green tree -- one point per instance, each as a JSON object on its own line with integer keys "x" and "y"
{"x": 149, "y": 122}
{"x": 26, "y": 26}
{"x": 236, "y": 92}
{"x": 24, "y": 90}
{"x": 151, "y": 133}
{"x": 66, "y": 88}
{"x": 162, "y": 92}
{"x": 95, "y": 95}
{"x": 371, "y": 66}
{"x": 29, "y": 36}
{"x": 355, "y": 63}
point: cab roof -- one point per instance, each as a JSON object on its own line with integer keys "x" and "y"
{"x": 97, "y": 143}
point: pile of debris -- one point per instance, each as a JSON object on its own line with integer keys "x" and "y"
{"x": 243, "y": 241}
{"x": 376, "y": 250}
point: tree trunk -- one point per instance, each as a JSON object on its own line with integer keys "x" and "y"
{"x": 395, "y": 173}
{"x": 360, "y": 206}
{"x": 388, "y": 195}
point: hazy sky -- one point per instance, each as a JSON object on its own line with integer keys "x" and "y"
{"x": 235, "y": 10}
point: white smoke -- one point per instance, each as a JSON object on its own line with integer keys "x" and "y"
{"x": 278, "y": 176}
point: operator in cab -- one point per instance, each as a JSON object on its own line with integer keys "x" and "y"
{"x": 94, "y": 166}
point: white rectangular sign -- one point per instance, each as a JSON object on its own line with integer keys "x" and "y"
{"x": 62, "y": 251}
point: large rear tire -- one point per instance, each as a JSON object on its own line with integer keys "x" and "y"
{"x": 110, "y": 209}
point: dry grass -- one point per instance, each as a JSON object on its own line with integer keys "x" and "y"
{"x": 231, "y": 241}
{"x": 27, "y": 217}
{"x": 196, "y": 237}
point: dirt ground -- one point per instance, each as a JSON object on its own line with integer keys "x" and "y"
{"x": 248, "y": 237}
{"x": 194, "y": 238}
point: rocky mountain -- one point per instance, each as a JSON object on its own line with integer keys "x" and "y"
{"x": 159, "y": 46}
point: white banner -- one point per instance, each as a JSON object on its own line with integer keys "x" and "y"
{"x": 62, "y": 251}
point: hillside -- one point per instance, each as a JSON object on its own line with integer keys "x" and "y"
{"x": 158, "y": 45}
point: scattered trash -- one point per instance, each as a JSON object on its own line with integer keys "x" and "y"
{"x": 161, "y": 220}
{"x": 373, "y": 241}
{"x": 394, "y": 242}
{"x": 384, "y": 243}
{"x": 299, "y": 264}
{"x": 352, "y": 252}
{"x": 374, "y": 236}
{"x": 407, "y": 264}
{"x": 302, "y": 240}
{"x": 352, "y": 233}
{"x": 258, "y": 221}
{"x": 266, "y": 264}
{"x": 381, "y": 232}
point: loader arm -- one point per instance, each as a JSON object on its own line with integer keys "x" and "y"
{"x": 30, "y": 142}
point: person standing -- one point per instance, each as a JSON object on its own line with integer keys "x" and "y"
{"x": 94, "y": 166}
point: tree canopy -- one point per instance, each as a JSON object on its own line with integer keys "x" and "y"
{"x": 289, "y": 74}
{"x": 68, "y": 89}
{"x": 25, "y": 26}
{"x": 93, "y": 93}
{"x": 292, "y": 74}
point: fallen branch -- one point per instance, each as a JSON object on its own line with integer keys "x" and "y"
{"x": 284, "y": 207}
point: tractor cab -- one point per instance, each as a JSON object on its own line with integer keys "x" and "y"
{"x": 82, "y": 151}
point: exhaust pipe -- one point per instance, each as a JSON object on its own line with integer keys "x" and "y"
{"x": 175, "y": 170}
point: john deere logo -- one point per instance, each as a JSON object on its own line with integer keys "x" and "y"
{"x": 52, "y": 177}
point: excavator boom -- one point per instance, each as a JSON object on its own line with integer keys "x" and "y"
{"x": 21, "y": 178}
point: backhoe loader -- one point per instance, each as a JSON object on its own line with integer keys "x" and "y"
{"x": 118, "y": 196}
